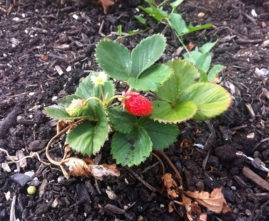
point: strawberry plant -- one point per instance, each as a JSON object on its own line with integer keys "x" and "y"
{"x": 138, "y": 124}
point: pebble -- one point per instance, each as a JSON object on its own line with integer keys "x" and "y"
{"x": 229, "y": 195}
{"x": 248, "y": 212}
{"x": 20, "y": 178}
{"x": 60, "y": 179}
{"x": 201, "y": 14}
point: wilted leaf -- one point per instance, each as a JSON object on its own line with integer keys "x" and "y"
{"x": 170, "y": 185}
{"x": 106, "y": 4}
{"x": 214, "y": 201}
{"x": 85, "y": 167}
{"x": 193, "y": 210}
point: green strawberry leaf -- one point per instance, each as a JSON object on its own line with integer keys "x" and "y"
{"x": 88, "y": 137}
{"x": 152, "y": 78}
{"x": 114, "y": 59}
{"x": 131, "y": 149}
{"x": 121, "y": 120}
{"x": 146, "y": 53}
{"x": 184, "y": 74}
{"x": 168, "y": 113}
{"x": 162, "y": 135}
{"x": 211, "y": 99}
{"x": 214, "y": 71}
{"x": 88, "y": 89}
{"x": 207, "y": 47}
{"x": 178, "y": 24}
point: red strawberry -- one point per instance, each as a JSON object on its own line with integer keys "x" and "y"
{"x": 136, "y": 104}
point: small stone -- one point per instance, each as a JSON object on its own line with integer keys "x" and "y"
{"x": 248, "y": 212}
{"x": 228, "y": 194}
{"x": 20, "y": 178}
{"x": 251, "y": 135}
{"x": 253, "y": 13}
{"x": 29, "y": 173}
{"x": 110, "y": 193}
{"x": 75, "y": 16}
{"x": 60, "y": 179}
{"x": 36, "y": 145}
{"x": 201, "y": 14}
{"x": 7, "y": 195}
{"x": 55, "y": 203}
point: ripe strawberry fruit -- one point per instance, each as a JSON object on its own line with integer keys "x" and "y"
{"x": 137, "y": 105}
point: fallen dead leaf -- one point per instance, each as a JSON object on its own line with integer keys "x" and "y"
{"x": 214, "y": 201}
{"x": 22, "y": 160}
{"x": 85, "y": 167}
{"x": 193, "y": 210}
{"x": 106, "y": 4}
{"x": 170, "y": 185}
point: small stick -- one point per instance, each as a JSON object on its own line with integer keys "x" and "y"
{"x": 161, "y": 162}
{"x": 173, "y": 167}
{"x": 153, "y": 189}
{"x": 255, "y": 178}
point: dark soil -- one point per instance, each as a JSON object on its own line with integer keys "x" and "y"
{"x": 38, "y": 37}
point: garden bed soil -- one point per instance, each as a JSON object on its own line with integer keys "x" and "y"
{"x": 46, "y": 49}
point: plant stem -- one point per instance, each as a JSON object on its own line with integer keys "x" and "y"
{"x": 114, "y": 97}
{"x": 182, "y": 43}
{"x": 94, "y": 98}
{"x": 102, "y": 93}
{"x": 59, "y": 163}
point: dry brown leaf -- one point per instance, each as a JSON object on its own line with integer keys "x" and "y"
{"x": 106, "y": 4}
{"x": 214, "y": 201}
{"x": 98, "y": 171}
{"x": 170, "y": 185}
{"x": 85, "y": 167}
{"x": 193, "y": 210}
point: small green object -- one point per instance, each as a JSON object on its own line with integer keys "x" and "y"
{"x": 31, "y": 190}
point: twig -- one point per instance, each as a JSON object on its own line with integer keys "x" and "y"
{"x": 255, "y": 178}
{"x": 161, "y": 162}
{"x": 173, "y": 167}
{"x": 209, "y": 142}
{"x": 262, "y": 141}
{"x": 101, "y": 28}
{"x": 150, "y": 167}
{"x": 12, "y": 216}
{"x": 97, "y": 187}
{"x": 153, "y": 189}
{"x": 3, "y": 10}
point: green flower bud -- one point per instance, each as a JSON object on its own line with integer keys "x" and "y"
{"x": 31, "y": 190}
{"x": 76, "y": 108}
